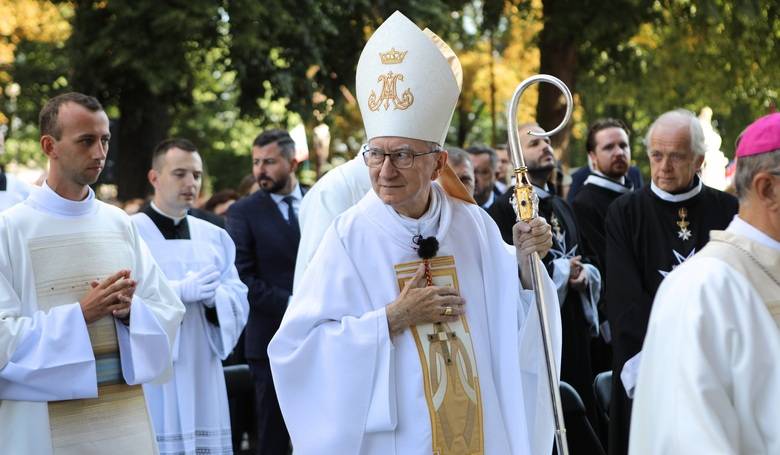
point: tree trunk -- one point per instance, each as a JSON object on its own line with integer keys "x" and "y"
{"x": 145, "y": 122}
{"x": 558, "y": 57}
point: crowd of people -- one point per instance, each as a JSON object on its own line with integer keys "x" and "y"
{"x": 389, "y": 307}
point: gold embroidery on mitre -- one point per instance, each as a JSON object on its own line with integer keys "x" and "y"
{"x": 389, "y": 82}
{"x": 449, "y": 368}
{"x": 392, "y": 57}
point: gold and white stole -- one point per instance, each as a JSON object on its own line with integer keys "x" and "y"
{"x": 117, "y": 420}
{"x": 449, "y": 370}
{"x": 758, "y": 264}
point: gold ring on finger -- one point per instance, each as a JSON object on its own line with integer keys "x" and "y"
{"x": 447, "y": 311}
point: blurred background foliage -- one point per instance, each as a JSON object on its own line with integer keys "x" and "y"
{"x": 220, "y": 71}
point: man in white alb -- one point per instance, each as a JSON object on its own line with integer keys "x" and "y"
{"x": 708, "y": 381}
{"x": 410, "y": 331}
{"x": 78, "y": 287}
{"x": 190, "y": 412}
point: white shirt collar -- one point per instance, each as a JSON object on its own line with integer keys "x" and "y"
{"x": 176, "y": 219}
{"x": 601, "y": 180}
{"x": 295, "y": 193}
{"x": 669, "y": 197}
{"x": 45, "y": 198}
{"x": 741, "y": 227}
{"x": 621, "y": 180}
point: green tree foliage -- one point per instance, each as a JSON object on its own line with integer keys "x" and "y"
{"x": 691, "y": 54}
{"x": 219, "y": 72}
{"x": 141, "y": 57}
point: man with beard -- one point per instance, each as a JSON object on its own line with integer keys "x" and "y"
{"x": 648, "y": 233}
{"x": 578, "y": 283}
{"x": 264, "y": 227}
{"x": 610, "y": 153}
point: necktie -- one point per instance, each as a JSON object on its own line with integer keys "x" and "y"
{"x": 292, "y": 220}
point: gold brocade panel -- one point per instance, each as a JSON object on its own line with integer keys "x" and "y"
{"x": 117, "y": 421}
{"x": 449, "y": 370}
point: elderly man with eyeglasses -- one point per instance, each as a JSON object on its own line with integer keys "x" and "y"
{"x": 413, "y": 329}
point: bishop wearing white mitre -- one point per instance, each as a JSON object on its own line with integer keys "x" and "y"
{"x": 410, "y": 331}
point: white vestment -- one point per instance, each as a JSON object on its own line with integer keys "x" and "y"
{"x": 15, "y": 192}
{"x": 708, "y": 380}
{"x": 190, "y": 412}
{"x": 346, "y": 387}
{"x": 338, "y": 190}
{"x": 47, "y": 355}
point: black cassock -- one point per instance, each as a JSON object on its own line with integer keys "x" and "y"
{"x": 575, "y": 356}
{"x": 646, "y": 237}
{"x": 590, "y": 209}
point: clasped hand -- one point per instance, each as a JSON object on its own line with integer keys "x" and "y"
{"x": 111, "y": 296}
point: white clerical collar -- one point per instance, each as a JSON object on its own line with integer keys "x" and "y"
{"x": 295, "y": 193}
{"x": 601, "y": 180}
{"x": 45, "y": 198}
{"x": 741, "y": 227}
{"x": 621, "y": 180}
{"x": 176, "y": 219}
{"x": 669, "y": 197}
{"x": 428, "y": 224}
{"x": 543, "y": 193}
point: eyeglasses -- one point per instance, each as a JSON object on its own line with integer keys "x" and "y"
{"x": 401, "y": 158}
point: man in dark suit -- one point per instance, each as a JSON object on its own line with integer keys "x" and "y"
{"x": 264, "y": 227}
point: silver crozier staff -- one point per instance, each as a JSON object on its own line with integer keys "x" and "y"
{"x": 525, "y": 205}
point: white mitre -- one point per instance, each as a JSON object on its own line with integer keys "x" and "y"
{"x": 408, "y": 82}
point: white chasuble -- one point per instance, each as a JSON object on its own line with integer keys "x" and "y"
{"x": 708, "y": 382}
{"x": 346, "y": 387}
{"x": 449, "y": 369}
{"x": 190, "y": 412}
{"x": 64, "y": 384}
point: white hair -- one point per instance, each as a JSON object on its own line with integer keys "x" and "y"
{"x": 695, "y": 130}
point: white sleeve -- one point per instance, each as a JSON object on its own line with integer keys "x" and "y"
{"x": 143, "y": 345}
{"x": 590, "y": 299}
{"x": 560, "y": 277}
{"x": 230, "y": 302}
{"x": 155, "y": 318}
{"x": 331, "y": 338}
{"x": 707, "y": 381}
{"x": 53, "y": 359}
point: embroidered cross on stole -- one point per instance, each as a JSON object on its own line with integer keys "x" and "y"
{"x": 758, "y": 264}
{"x": 63, "y": 267}
{"x": 449, "y": 370}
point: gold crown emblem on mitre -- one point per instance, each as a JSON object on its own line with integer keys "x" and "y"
{"x": 392, "y": 57}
